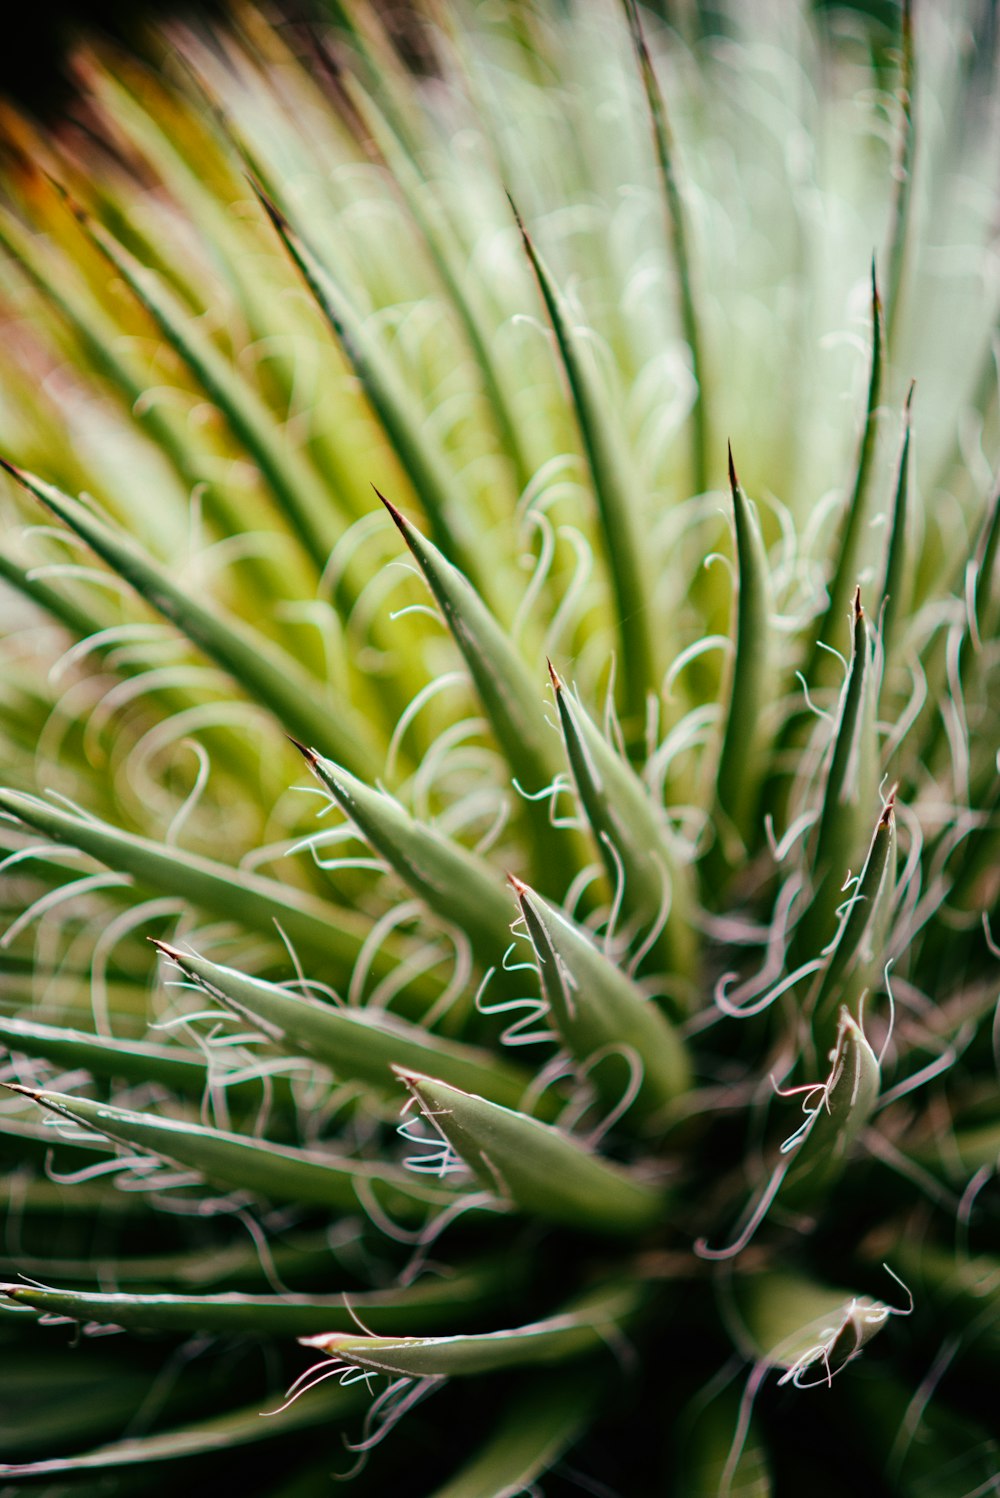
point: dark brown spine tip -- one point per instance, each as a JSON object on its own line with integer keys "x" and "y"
{"x": 268, "y": 204}
{"x": 876, "y": 299}
{"x": 889, "y": 809}
{"x": 309, "y": 755}
{"x": 858, "y": 610}
{"x": 14, "y": 471}
{"x": 554, "y": 676}
{"x": 24, "y": 1091}
{"x": 513, "y": 208}
{"x": 909, "y": 398}
{"x": 733, "y": 480}
{"x": 399, "y": 519}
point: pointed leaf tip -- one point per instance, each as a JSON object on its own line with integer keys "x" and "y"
{"x": 268, "y": 204}
{"x": 733, "y": 480}
{"x": 398, "y": 518}
{"x": 309, "y": 755}
{"x": 858, "y": 610}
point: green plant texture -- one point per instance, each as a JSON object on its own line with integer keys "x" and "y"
{"x": 499, "y": 957}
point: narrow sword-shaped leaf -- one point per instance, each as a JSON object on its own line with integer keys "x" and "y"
{"x": 219, "y": 1433}
{"x": 751, "y": 688}
{"x": 627, "y": 827}
{"x": 534, "y": 1167}
{"x": 311, "y": 509}
{"x": 268, "y": 674}
{"x": 894, "y": 569}
{"x": 585, "y": 1326}
{"x": 809, "y": 1330}
{"x": 853, "y": 955}
{"x": 618, "y": 505}
{"x": 848, "y": 795}
{"x": 838, "y": 1110}
{"x": 596, "y": 1009}
{"x": 328, "y": 933}
{"x": 452, "y": 881}
{"x": 542, "y": 1420}
{"x": 434, "y": 486}
{"x": 844, "y": 1106}
{"x": 363, "y": 1044}
{"x": 102, "y": 1056}
{"x": 510, "y": 698}
{"x": 847, "y": 544}
{"x": 679, "y": 233}
{"x": 429, "y": 1304}
{"x": 902, "y": 176}
{"x": 445, "y": 250}
{"x": 243, "y": 1163}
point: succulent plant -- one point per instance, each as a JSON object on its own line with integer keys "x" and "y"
{"x": 564, "y": 1057}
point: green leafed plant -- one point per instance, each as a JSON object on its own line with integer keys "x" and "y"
{"x": 498, "y": 984}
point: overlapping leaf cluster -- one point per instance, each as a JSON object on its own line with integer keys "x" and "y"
{"x": 581, "y": 1037}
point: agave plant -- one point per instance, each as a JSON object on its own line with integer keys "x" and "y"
{"x": 498, "y": 980}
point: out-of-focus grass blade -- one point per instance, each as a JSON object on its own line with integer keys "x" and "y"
{"x": 218, "y": 1433}
{"x": 846, "y": 546}
{"x": 982, "y": 579}
{"x": 52, "y": 1403}
{"x": 246, "y": 1164}
{"x": 532, "y": 1166}
{"x": 618, "y": 505}
{"x": 404, "y": 167}
{"x": 718, "y": 1458}
{"x": 751, "y": 688}
{"x": 605, "y": 1021}
{"x": 853, "y": 956}
{"x": 454, "y": 883}
{"x": 928, "y": 1449}
{"x": 894, "y": 570}
{"x": 655, "y": 884}
{"x": 842, "y": 1109}
{"x": 311, "y": 509}
{"x": 395, "y": 409}
{"x": 540, "y": 1422}
{"x": 511, "y": 700}
{"x": 328, "y": 933}
{"x": 429, "y": 1304}
{"x": 361, "y": 1044}
{"x": 132, "y": 1060}
{"x": 902, "y": 176}
{"x": 585, "y": 1326}
{"x": 678, "y": 231}
{"x": 64, "y": 609}
{"x": 266, "y": 672}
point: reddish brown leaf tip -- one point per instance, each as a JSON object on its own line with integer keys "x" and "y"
{"x": 268, "y": 204}
{"x": 554, "y": 677}
{"x": 399, "y": 519}
{"x": 165, "y": 949}
{"x": 14, "y": 471}
{"x": 309, "y": 755}
{"x": 858, "y": 610}
{"x": 517, "y": 885}
{"x": 889, "y": 809}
